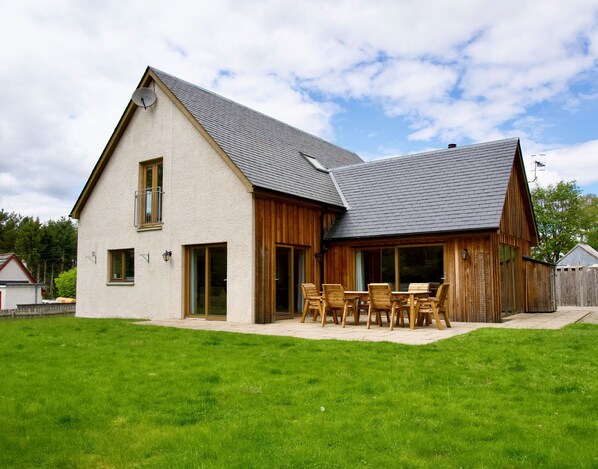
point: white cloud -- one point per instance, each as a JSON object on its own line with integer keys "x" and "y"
{"x": 577, "y": 162}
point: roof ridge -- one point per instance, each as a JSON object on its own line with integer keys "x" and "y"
{"x": 385, "y": 159}
{"x": 285, "y": 124}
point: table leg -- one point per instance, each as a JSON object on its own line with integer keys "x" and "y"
{"x": 412, "y": 311}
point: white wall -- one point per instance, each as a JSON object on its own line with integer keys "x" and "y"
{"x": 205, "y": 202}
{"x": 25, "y": 294}
{"x": 13, "y": 271}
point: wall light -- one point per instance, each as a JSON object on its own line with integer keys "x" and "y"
{"x": 167, "y": 255}
{"x": 464, "y": 254}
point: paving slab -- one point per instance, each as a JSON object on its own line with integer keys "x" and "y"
{"x": 400, "y": 335}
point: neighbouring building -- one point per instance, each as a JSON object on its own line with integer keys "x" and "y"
{"x": 202, "y": 207}
{"x": 17, "y": 285}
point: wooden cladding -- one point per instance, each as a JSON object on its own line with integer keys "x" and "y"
{"x": 474, "y": 294}
{"x": 478, "y": 282}
{"x": 281, "y": 221}
{"x": 517, "y": 220}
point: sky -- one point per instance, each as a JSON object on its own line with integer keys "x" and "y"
{"x": 380, "y": 78}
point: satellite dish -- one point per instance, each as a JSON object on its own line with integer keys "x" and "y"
{"x": 144, "y": 97}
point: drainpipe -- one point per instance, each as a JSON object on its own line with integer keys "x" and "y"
{"x": 323, "y": 248}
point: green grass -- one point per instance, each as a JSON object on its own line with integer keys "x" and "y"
{"x": 107, "y": 393}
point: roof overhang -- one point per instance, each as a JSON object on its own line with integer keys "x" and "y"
{"x": 529, "y": 206}
{"x": 427, "y": 234}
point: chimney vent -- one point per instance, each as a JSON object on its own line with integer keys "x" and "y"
{"x": 452, "y": 145}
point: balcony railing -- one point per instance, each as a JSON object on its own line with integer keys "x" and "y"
{"x": 148, "y": 207}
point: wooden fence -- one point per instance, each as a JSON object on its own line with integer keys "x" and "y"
{"x": 577, "y": 286}
{"x": 539, "y": 286}
{"x": 38, "y": 310}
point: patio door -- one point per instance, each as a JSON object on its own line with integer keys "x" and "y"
{"x": 206, "y": 281}
{"x": 290, "y": 274}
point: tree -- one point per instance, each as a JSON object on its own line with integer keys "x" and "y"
{"x": 61, "y": 241}
{"x": 28, "y": 244}
{"x": 66, "y": 283}
{"x": 9, "y": 222}
{"x": 558, "y": 210}
{"x": 589, "y": 220}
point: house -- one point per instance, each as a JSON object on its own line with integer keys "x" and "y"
{"x": 582, "y": 255}
{"x": 201, "y": 207}
{"x": 17, "y": 285}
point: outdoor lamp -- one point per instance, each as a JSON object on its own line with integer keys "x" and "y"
{"x": 167, "y": 255}
{"x": 464, "y": 254}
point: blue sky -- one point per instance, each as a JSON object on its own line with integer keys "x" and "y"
{"x": 380, "y": 78}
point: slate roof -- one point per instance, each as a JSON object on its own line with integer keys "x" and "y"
{"x": 455, "y": 189}
{"x": 267, "y": 151}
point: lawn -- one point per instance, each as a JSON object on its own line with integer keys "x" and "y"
{"x": 108, "y": 393}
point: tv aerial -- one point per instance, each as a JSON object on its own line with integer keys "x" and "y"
{"x": 539, "y": 165}
{"x": 144, "y": 97}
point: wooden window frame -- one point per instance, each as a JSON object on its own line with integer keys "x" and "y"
{"x": 293, "y": 312}
{"x": 123, "y": 274}
{"x": 395, "y": 247}
{"x": 187, "y": 289}
{"x": 156, "y": 213}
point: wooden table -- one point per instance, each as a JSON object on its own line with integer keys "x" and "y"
{"x": 411, "y": 296}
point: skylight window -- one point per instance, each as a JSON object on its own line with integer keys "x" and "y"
{"x": 315, "y": 163}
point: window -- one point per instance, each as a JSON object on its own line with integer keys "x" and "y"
{"x": 149, "y": 197}
{"x": 315, "y": 163}
{"x": 375, "y": 266}
{"x": 421, "y": 264}
{"x": 122, "y": 265}
{"x": 290, "y": 274}
{"x": 416, "y": 264}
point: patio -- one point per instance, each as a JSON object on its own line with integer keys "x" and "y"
{"x": 418, "y": 336}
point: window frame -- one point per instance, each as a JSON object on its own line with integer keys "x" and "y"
{"x": 156, "y": 212}
{"x": 123, "y": 279}
{"x": 207, "y": 281}
{"x": 396, "y": 284}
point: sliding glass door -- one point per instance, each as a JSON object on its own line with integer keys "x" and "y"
{"x": 399, "y": 266}
{"x": 206, "y": 281}
{"x": 290, "y": 274}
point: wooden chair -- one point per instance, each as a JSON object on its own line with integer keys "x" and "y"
{"x": 311, "y": 300}
{"x": 362, "y": 306}
{"x": 405, "y": 306}
{"x": 434, "y": 306}
{"x": 334, "y": 300}
{"x": 381, "y": 300}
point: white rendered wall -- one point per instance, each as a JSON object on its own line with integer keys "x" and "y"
{"x": 204, "y": 202}
{"x": 13, "y": 295}
{"x": 13, "y": 271}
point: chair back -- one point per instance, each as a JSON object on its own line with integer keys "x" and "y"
{"x": 418, "y": 288}
{"x": 380, "y": 295}
{"x": 310, "y": 292}
{"x": 334, "y": 295}
{"x": 441, "y": 295}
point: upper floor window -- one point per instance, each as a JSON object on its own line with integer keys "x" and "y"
{"x": 148, "y": 200}
{"x": 122, "y": 265}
